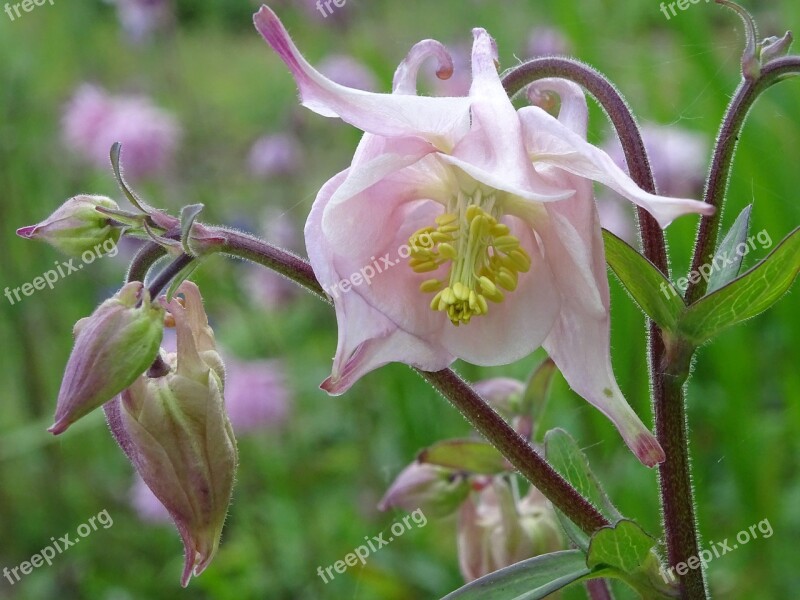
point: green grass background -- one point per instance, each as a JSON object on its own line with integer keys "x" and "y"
{"x": 306, "y": 495}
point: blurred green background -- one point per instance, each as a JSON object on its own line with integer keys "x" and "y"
{"x": 307, "y": 491}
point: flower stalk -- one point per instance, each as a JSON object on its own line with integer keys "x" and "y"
{"x": 677, "y": 495}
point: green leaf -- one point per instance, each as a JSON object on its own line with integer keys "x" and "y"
{"x": 648, "y": 287}
{"x": 527, "y": 580}
{"x": 465, "y": 455}
{"x": 182, "y": 276}
{"x": 189, "y": 215}
{"x": 537, "y": 390}
{"x": 752, "y": 293}
{"x": 737, "y": 235}
{"x": 625, "y": 547}
{"x": 626, "y": 552}
{"x": 566, "y": 457}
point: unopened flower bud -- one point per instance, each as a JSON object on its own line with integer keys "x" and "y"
{"x": 175, "y": 431}
{"x": 76, "y": 226}
{"x": 775, "y": 47}
{"x": 503, "y": 393}
{"x": 495, "y": 531}
{"x": 438, "y": 491}
{"x": 113, "y": 346}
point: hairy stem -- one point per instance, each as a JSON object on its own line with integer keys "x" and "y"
{"x": 677, "y": 497}
{"x": 719, "y": 174}
{"x": 516, "y": 449}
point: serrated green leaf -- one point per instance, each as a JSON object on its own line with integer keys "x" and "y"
{"x": 625, "y": 547}
{"x": 652, "y": 292}
{"x": 566, "y": 457}
{"x": 745, "y": 297}
{"x": 737, "y": 235}
{"x": 465, "y": 455}
{"x": 527, "y": 580}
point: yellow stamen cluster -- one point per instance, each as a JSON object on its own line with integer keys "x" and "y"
{"x": 485, "y": 257}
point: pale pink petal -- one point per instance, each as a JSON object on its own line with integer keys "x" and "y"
{"x": 368, "y": 338}
{"x": 493, "y": 152}
{"x": 405, "y": 77}
{"x": 573, "y": 112}
{"x": 438, "y": 121}
{"x": 550, "y": 142}
{"x": 579, "y": 343}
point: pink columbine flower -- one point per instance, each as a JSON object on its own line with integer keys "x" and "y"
{"x": 94, "y": 120}
{"x": 495, "y": 530}
{"x": 517, "y": 259}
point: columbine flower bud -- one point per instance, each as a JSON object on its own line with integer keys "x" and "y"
{"x": 76, "y": 226}
{"x": 436, "y": 490}
{"x": 113, "y": 346}
{"x": 503, "y": 393}
{"x": 494, "y": 531}
{"x": 175, "y": 431}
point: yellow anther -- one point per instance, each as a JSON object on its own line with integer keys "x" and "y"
{"x": 487, "y": 285}
{"x": 461, "y": 291}
{"x": 506, "y": 242}
{"x": 521, "y": 259}
{"x": 430, "y": 285}
{"x": 483, "y": 255}
{"x": 507, "y": 279}
{"x": 448, "y": 251}
{"x": 425, "y": 267}
{"x": 500, "y": 229}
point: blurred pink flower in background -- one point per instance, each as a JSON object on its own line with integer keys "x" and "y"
{"x": 146, "y": 505}
{"x": 678, "y": 158}
{"x": 546, "y": 41}
{"x": 277, "y": 154}
{"x": 256, "y": 396}
{"x": 141, "y": 18}
{"x": 347, "y": 71}
{"x": 268, "y": 288}
{"x": 93, "y": 120}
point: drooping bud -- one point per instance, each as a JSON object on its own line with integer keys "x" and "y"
{"x": 76, "y": 226}
{"x": 438, "y": 491}
{"x": 495, "y": 531}
{"x": 175, "y": 431}
{"x": 113, "y": 346}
